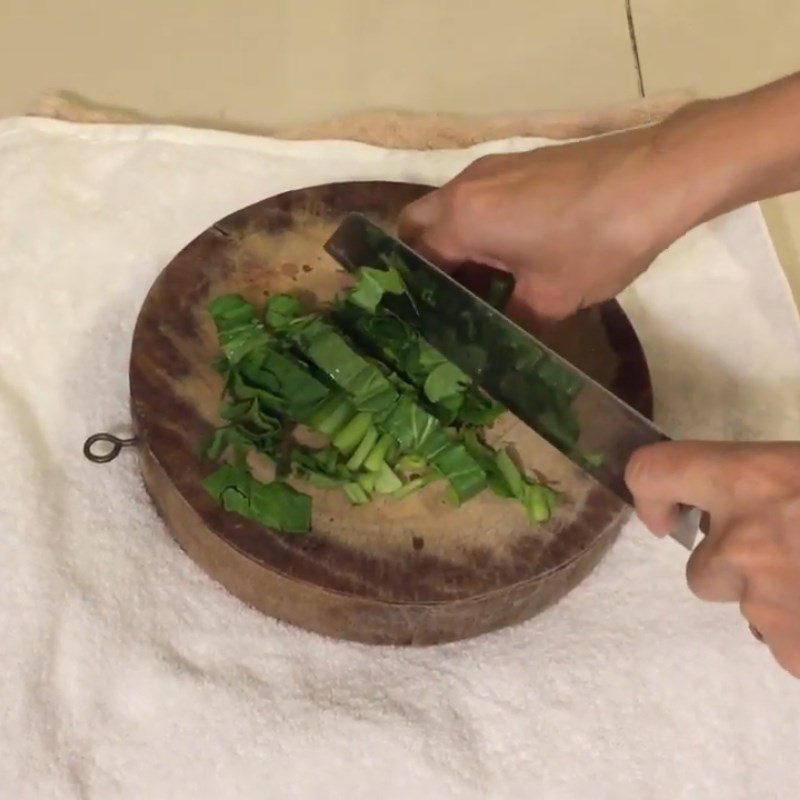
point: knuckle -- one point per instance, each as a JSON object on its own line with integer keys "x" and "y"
{"x": 762, "y": 473}
{"x": 441, "y": 246}
{"x": 468, "y": 201}
{"x": 738, "y": 547}
{"x": 481, "y": 164}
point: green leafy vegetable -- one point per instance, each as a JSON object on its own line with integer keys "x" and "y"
{"x": 281, "y": 310}
{"x": 365, "y": 385}
{"x": 356, "y": 494}
{"x": 372, "y": 284}
{"x": 238, "y": 329}
{"x": 394, "y": 413}
{"x": 445, "y": 380}
{"x": 276, "y": 505}
{"x": 464, "y": 474}
{"x": 386, "y": 480}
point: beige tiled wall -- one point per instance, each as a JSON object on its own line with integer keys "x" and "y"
{"x": 263, "y": 62}
{"x": 720, "y": 47}
{"x": 275, "y": 61}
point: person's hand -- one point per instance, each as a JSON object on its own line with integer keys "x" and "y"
{"x": 574, "y": 223}
{"x": 751, "y": 554}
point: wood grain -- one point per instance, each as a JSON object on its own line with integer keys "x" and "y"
{"x": 416, "y": 572}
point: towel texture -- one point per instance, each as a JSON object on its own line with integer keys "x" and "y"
{"x": 127, "y": 673}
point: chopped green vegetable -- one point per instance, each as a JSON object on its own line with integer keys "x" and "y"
{"x": 276, "y": 505}
{"x": 238, "y": 329}
{"x": 364, "y": 448}
{"x": 536, "y": 502}
{"x": 445, "y": 380}
{"x": 356, "y": 494}
{"x": 393, "y": 413}
{"x": 373, "y": 284}
{"x": 281, "y": 310}
{"x": 386, "y": 481}
{"x": 407, "y": 489}
{"x": 511, "y": 473}
{"x": 378, "y": 454}
{"x": 290, "y": 387}
{"x": 365, "y": 385}
{"x": 464, "y": 474}
{"x": 348, "y": 439}
{"x": 332, "y": 415}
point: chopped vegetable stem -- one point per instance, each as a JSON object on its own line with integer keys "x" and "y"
{"x": 363, "y": 449}
{"x": 378, "y": 453}
{"x": 397, "y": 413}
{"x": 349, "y": 437}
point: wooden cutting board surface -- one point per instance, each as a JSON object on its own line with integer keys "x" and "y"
{"x": 418, "y": 571}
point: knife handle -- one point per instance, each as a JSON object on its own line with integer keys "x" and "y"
{"x": 692, "y": 521}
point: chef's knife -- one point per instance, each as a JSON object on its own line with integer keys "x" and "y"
{"x": 489, "y": 347}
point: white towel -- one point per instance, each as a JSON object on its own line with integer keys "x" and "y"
{"x": 127, "y": 673}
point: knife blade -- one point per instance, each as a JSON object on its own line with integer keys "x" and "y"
{"x": 507, "y": 362}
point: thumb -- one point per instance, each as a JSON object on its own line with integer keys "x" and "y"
{"x": 664, "y": 476}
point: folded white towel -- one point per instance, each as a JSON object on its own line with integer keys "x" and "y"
{"x": 127, "y": 673}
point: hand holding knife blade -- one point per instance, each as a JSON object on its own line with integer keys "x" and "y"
{"x": 461, "y": 326}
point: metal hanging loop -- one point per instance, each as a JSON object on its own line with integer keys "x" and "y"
{"x": 104, "y": 455}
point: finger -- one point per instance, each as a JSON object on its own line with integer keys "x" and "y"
{"x": 427, "y": 226}
{"x": 663, "y": 476}
{"x": 543, "y": 301}
{"x": 714, "y": 571}
{"x": 419, "y": 216}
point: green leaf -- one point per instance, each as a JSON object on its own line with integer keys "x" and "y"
{"x": 275, "y": 505}
{"x": 281, "y": 310}
{"x": 250, "y": 413}
{"x": 238, "y": 330}
{"x": 478, "y": 409}
{"x": 444, "y": 381}
{"x": 409, "y": 423}
{"x": 372, "y": 284}
{"x": 400, "y": 346}
{"x": 283, "y": 383}
{"x": 463, "y": 473}
{"x": 234, "y": 437}
{"x": 226, "y": 477}
{"x": 366, "y": 386}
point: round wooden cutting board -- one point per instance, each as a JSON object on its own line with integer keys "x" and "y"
{"x": 418, "y": 571}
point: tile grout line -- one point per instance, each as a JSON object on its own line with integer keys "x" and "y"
{"x": 634, "y": 46}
